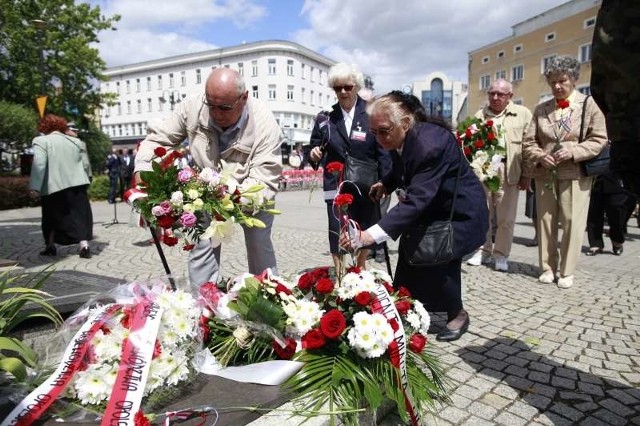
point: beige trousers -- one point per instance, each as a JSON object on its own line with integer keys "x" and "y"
{"x": 568, "y": 207}
{"x": 503, "y": 207}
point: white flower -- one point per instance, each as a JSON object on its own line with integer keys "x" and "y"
{"x": 219, "y": 231}
{"x": 302, "y": 315}
{"x": 177, "y": 198}
{"x": 93, "y": 385}
{"x": 192, "y": 194}
{"x": 210, "y": 177}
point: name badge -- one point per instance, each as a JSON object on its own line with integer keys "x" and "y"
{"x": 358, "y": 136}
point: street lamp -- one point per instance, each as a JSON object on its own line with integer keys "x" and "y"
{"x": 40, "y": 26}
{"x": 171, "y": 96}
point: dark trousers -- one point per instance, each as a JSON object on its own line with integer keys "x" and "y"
{"x": 616, "y": 208}
{"x": 113, "y": 187}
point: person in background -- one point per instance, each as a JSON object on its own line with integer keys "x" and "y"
{"x": 224, "y": 123}
{"x": 346, "y": 130}
{"x": 126, "y": 171}
{"x": 113, "y": 165}
{"x": 530, "y": 212}
{"x": 552, "y": 153}
{"x": 427, "y": 161}
{"x": 607, "y": 197}
{"x": 60, "y": 177}
{"x": 512, "y": 122}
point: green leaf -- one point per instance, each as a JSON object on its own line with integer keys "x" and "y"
{"x": 15, "y": 367}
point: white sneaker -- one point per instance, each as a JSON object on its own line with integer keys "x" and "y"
{"x": 547, "y": 277}
{"x": 502, "y": 264}
{"x": 565, "y": 282}
{"x": 480, "y": 257}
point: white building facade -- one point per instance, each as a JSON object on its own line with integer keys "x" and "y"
{"x": 440, "y": 96}
{"x": 289, "y": 78}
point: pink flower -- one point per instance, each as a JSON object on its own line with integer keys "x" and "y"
{"x": 185, "y": 175}
{"x": 188, "y": 220}
{"x": 166, "y": 207}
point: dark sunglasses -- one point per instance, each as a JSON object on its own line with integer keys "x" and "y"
{"x": 346, "y": 87}
{"x": 223, "y": 107}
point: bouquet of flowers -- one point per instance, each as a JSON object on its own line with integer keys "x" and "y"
{"x": 121, "y": 352}
{"x": 190, "y": 204}
{"x": 355, "y": 353}
{"x": 484, "y": 149}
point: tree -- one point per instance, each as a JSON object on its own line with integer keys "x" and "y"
{"x": 17, "y": 126}
{"x": 72, "y": 65}
{"x": 98, "y": 147}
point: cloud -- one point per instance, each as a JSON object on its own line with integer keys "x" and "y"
{"x": 398, "y": 42}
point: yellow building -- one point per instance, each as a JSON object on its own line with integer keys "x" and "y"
{"x": 521, "y": 58}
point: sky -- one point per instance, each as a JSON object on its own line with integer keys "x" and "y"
{"x": 396, "y": 42}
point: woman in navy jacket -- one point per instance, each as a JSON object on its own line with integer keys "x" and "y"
{"x": 426, "y": 159}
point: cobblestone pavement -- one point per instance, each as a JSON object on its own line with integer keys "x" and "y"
{"x": 534, "y": 354}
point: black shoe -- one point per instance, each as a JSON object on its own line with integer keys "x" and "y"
{"x": 85, "y": 253}
{"x": 49, "y": 251}
{"x": 533, "y": 243}
{"x": 593, "y": 251}
{"x": 617, "y": 250}
{"x": 448, "y": 335}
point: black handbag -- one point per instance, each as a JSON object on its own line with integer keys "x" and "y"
{"x": 431, "y": 244}
{"x": 598, "y": 165}
{"x": 361, "y": 172}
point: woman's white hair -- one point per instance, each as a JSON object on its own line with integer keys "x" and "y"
{"x": 342, "y": 71}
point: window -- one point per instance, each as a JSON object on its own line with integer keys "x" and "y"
{"x": 290, "y": 92}
{"x": 119, "y": 129}
{"x": 311, "y": 96}
{"x": 117, "y": 87}
{"x": 545, "y": 62}
{"x": 302, "y": 71}
{"x": 128, "y": 107}
{"x": 311, "y": 71}
{"x": 500, "y": 54}
{"x": 160, "y": 105}
{"x": 148, "y": 84}
{"x": 254, "y": 91}
{"x": 585, "y": 90}
{"x": 139, "y": 106}
{"x": 149, "y": 105}
{"x": 303, "y": 92}
{"x": 128, "y": 86}
{"x": 171, "y": 81}
{"x": 159, "y": 82}
{"x": 485, "y": 82}
{"x": 589, "y": 22}
{"x": 550, "y": 37}
{"x": 241, "y": 69}
{"x": 271, "y": 66}
{"x": 254, "y": 68}
{"x": 183, "y": 78}
{"x": 108, "y": 111}
{"x": 138, "y": 85}
{"x": 119, "y": 108}
{"x": 517, "y": 73}
{"x": 502, "y": 74}
{"x": 290, "y": 67}
{"x": 198, "y": 76}
{"x": 485, "y": 59}
{"x": 517, "y": 48}
{"x": 584, "y": 54}
{"x": 272, "y": 92}
{"x": 320, "y": 78}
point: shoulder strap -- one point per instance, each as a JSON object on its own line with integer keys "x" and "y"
{"x": 584, "y": 114}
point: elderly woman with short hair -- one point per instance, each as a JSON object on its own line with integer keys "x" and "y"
{"x": 552, "y": 150}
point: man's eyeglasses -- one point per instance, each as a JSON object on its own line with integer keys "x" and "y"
{"x": 498, "y": 94}
{"x": 346, "y": 87}
{"x": 382, "y": 131}
{"x": 222, "y": 107}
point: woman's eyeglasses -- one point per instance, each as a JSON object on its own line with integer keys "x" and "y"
{"x": 382, "y": 131}
{"x": 346, "y": 87}
{"x": 222, "y": 107}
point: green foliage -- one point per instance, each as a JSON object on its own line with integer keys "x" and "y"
{"x": 15, "y": 356}
{"x": 99, "y": 188}
{"x": 14, "y": 193}
{"x": 17, "y": 125}
{"x": 71, "y": 62}
{"x": 98, "y": 147}
{"x": 253, "y": 306}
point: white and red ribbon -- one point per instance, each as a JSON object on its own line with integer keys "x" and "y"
{"x": 133, "y": 194}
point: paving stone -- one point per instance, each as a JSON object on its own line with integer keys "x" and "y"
{"x": 563, "y": 383}
{"x": 540, "y": 366}
{"x": 509, "y": 419}
{"x": 453, "y": 415}
{"x": 517, "y": 371}
{"x": 623, "y": 397}
{"x": 522, "y": 409}
{"x": 566, "y": 373}
{"x": 616, "y": 407}
{"x": 586, "y": 406}
{"x": 566, "y": 411}
{"x": 609, "y": 418}
{"x": 592, "y": 421}
{"x": 482, "y": 410}
{"x": 476, "y": 421}
{"x": 541, "y": 389}
{"x": 552, "y": 419}
{"x": 496, "y": 400}
{"x": 470, "y": 392}
{"x": 538, "y": 376}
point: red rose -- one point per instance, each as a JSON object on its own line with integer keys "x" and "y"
{"x": 188, "y": 247}
{"x": 165, "y": 222}
{"x": 354, "y": 269}
{"x": 140, "y": 419}
{"x": 288, "y": 350}
{"x": 489, "y": 123}
{"x": 324, "y": 286}
{"x": 305, "y": 281}
{"x": 332, "y": 324}
{"x": 417, "y": 343}
{"x": 491, "y": 136}
{"x": 363, "y": 298}
{"x": 160, "y": 151}
{"x": 394, "y": 324}
{"x": 403, "y": 292}
{"x": 203, "y": 324}
{"x": 394, "y": 354}
{"x": 313, "y": 339}
{"x": 388, "y": 287}
{"x": 210, "y": 293}
{"x": 343, "y": 200}
{"x": 170, "y": 240}
{"x": 479, "y": 144}
{"x": 460, "y": 142}
{"x": 468, "y": 133}
{"x": 282, "y": 289}
{"x": 562, "y": 103}
{"x": 403, "y": 306}
{"x": 467, "y": 151}
{"x": 334, "y": 167}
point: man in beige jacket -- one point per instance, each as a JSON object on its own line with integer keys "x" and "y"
{"x": 512, "y": 121}
{"x": 224, "y": 123}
